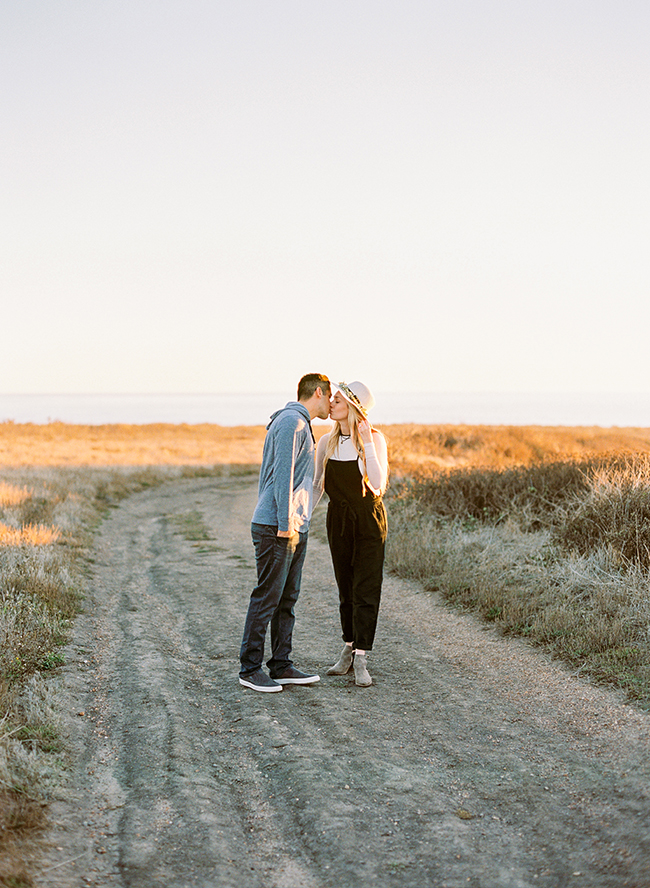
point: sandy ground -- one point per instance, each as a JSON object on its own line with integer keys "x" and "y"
{"x": 471, "y": 761}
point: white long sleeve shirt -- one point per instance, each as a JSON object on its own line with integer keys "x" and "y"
{"x": 376, "y": 467}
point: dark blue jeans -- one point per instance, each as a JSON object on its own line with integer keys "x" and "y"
{"x": 279, "y": 570}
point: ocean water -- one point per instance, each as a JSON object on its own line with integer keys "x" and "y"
{"x": 478, "y": 408}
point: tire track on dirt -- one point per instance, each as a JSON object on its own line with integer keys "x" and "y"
{"x": 472, "y": 760}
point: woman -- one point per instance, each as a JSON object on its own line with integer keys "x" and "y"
{"x": 352, "y": 469}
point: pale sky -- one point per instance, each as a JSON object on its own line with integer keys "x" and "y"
{"x": 221, "y": 195}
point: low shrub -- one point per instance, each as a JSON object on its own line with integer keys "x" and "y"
{"x": 530, "y": 494}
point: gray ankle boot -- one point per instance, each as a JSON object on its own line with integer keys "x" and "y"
{"x": 361, "y": 674}
{"x": 343, "y": 664}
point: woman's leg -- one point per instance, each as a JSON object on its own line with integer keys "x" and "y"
{"x": 366, "y": 591}
{"x": 342, "y": 552}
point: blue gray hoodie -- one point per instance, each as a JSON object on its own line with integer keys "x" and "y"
{"x": 287, "y": 473}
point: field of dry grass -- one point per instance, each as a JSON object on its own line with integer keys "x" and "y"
{"x": 413, "y": 447}
{"x": 548, "y": 540}
{"x": 58, "y": 444}
{"x": 518, "y": 524}
{"x": 427, "y": 449}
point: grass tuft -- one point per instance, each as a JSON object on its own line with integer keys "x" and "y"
{"x": 614, "y": 513}
{"x": 28, "y": 535}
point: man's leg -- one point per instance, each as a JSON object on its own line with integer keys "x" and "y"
{"x": 274, "y": 556}
{"x": 284, "y": 617}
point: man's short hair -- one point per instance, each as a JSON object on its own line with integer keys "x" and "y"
{"x": 310, "y": 382}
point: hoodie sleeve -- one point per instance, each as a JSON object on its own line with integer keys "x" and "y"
{"x": 287, "y": 444}
{"x": 318, "y": 475}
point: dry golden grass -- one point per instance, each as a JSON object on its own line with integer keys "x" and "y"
{"x": 412, "y": 447}
{"x": 29, "y": 535}
{"x": 59, "y": 444}
{"x": 10, "y": 495}
{"x": 20, "y": 820}
{"x": 417, "y": 449}
{"x": 56, "y": 479}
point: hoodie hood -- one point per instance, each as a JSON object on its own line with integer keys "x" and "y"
{"x": 297, "y": 407}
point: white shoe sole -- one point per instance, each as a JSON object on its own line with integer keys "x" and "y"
{"x": 310, "y": 680}
{"x": 254, "y": 687}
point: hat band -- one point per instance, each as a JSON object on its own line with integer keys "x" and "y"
{"x": 349, "y": 394}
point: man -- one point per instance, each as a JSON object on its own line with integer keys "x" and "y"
{"x": 279, "y": 529}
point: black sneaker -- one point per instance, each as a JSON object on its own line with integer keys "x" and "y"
{"x": 260, "y": 681}
{"x": 293, "y": 676}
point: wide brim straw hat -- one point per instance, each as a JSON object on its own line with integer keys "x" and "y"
{"x": 357, "y": 394}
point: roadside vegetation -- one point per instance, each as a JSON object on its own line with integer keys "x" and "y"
{"x": 542, "y": 532}
{"x": 47, "y": 519}
{"x": 555, "y": 550}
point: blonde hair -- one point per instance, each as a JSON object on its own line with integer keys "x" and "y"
{"x": 354, "y": 418}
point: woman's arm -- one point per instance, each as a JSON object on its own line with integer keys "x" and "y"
{"x": 376, "y": 456}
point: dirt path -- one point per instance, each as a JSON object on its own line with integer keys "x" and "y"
{"x": 471, "y": 761}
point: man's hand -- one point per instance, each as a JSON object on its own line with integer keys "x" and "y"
{"x": 284, "y": 533}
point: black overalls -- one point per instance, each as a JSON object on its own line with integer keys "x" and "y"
{"x": 356, "y": 531}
